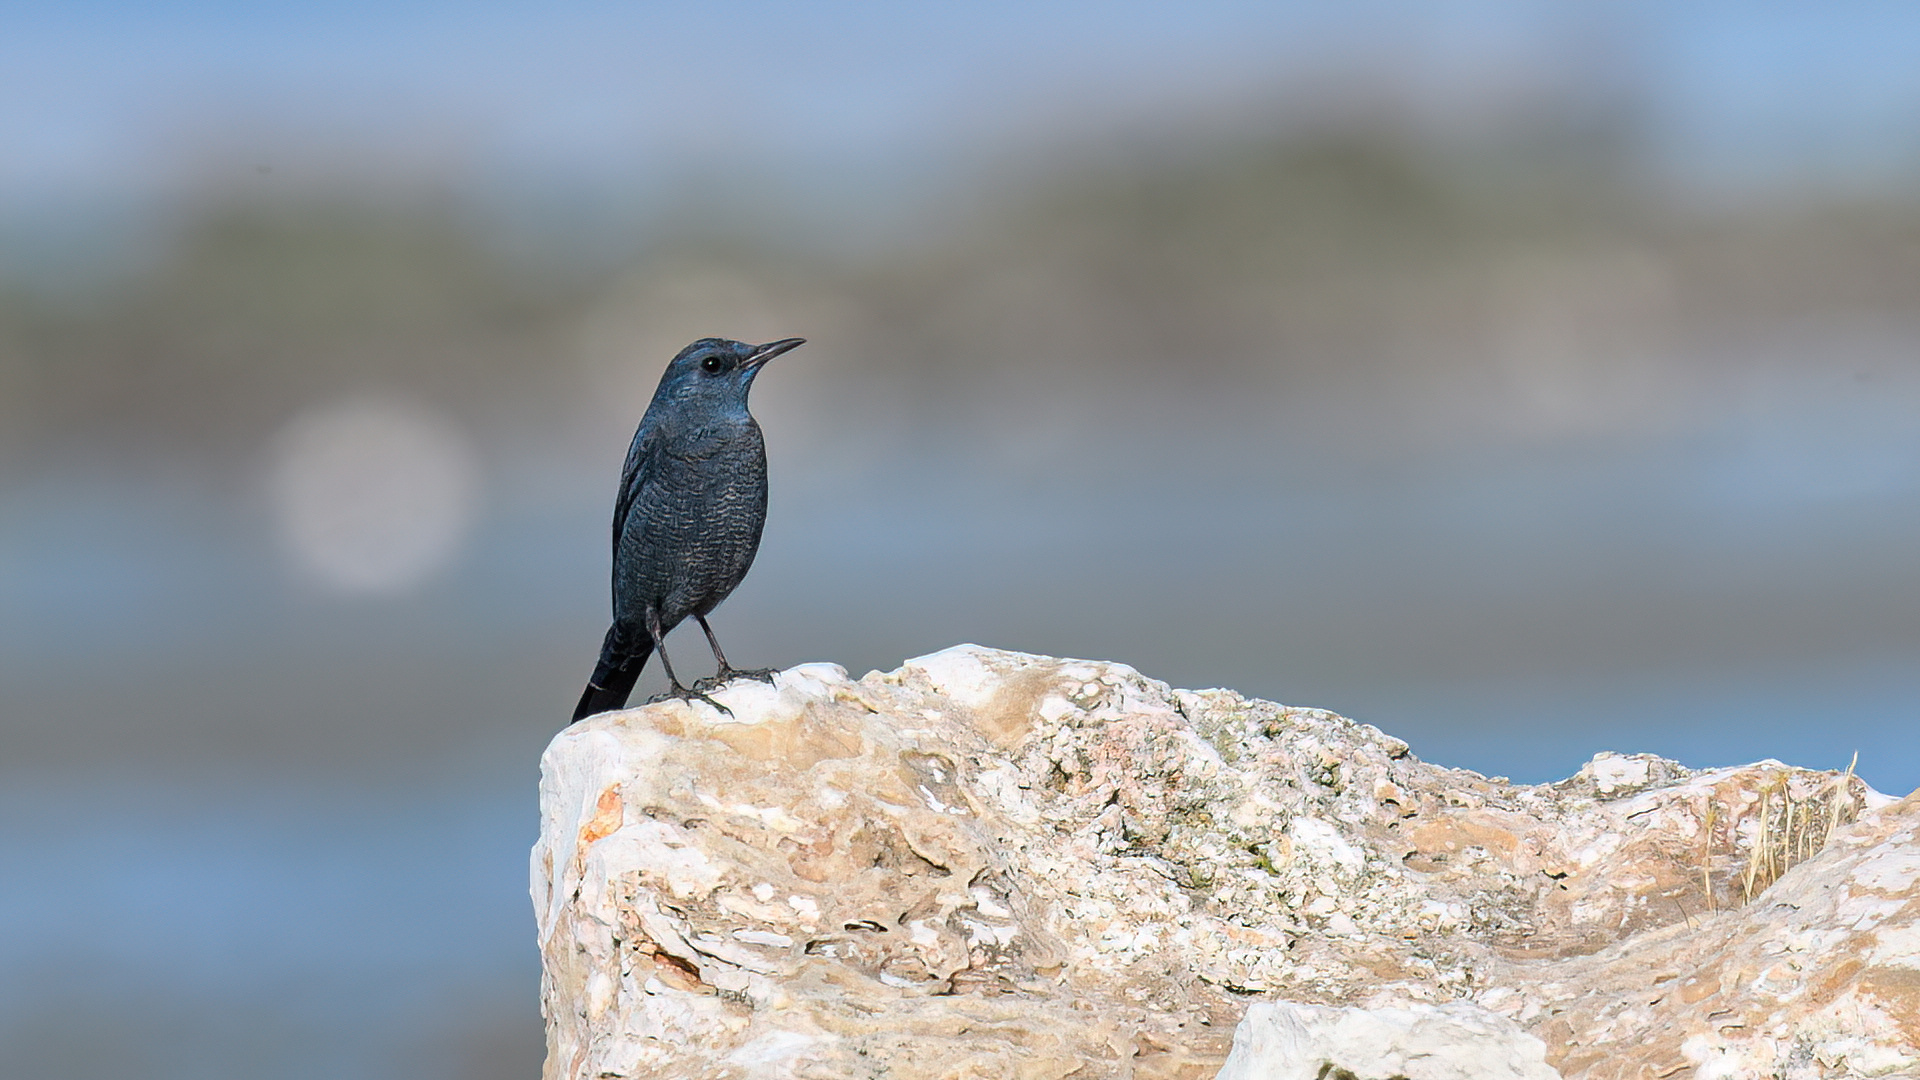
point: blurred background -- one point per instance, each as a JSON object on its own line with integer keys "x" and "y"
{"x": 1527, "y": 380}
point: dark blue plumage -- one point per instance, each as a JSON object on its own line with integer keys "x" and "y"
{"x": 686, "y": 524}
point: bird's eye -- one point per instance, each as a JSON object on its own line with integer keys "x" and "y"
{"x": 711, "y": 365}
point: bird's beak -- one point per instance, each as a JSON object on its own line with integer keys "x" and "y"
{"x": 770, "y": 350}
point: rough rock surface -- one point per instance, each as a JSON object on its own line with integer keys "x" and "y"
{"x": 1455, "y": 1041}
{"x": 990, "y": 864}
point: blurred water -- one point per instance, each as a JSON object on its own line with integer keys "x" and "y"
{"x": 265, "y": 926}
{"x": 1392, "y": 592}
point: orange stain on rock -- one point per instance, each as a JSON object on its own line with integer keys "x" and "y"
{"x": 609, "y": 811}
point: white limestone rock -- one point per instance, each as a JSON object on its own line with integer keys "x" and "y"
{"x": 1455, "y": 1041}
{"x": 991, "y": 864}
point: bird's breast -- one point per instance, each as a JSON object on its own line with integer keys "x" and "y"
{"x": 695, "y": 525}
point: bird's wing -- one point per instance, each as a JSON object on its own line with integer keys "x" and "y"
{"x": 642, "y": 461}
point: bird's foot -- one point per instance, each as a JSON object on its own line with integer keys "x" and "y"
{"x": 728, "y": 674}
{"x": 693, "y": 693}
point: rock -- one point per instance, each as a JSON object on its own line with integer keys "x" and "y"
{"x": 990, "y": 864}
{"x": 1455, "y": 1041}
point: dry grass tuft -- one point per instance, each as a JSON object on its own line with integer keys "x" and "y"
{"x": 1795, "y": 821}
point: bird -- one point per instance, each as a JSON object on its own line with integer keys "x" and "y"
{"x": 688, "y": 517}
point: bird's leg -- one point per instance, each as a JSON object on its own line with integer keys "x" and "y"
{"x": 678, "y": 691}
{"x": 728, "y": 672}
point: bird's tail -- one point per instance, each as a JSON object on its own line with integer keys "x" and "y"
{"x": 613, "y": 678}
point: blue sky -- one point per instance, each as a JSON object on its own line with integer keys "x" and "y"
{"x": 119, "y": 100}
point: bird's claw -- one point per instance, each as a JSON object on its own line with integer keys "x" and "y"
{"x": 692, "y": 693}
{"x": 728, "y": 674}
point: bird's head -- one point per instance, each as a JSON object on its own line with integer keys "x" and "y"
{"x": 718, "y": 372}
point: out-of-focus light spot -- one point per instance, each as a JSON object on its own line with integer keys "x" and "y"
{"x": 372, "y": 496}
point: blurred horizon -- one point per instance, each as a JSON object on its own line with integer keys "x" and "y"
{"x": 1526, "y": 381}
{"x": 1323, "y": 313}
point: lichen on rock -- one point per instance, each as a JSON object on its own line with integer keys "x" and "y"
{"x": 992, "y": 864}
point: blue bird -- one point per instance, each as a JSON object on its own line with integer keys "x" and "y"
{"x": 686, "y": 524}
